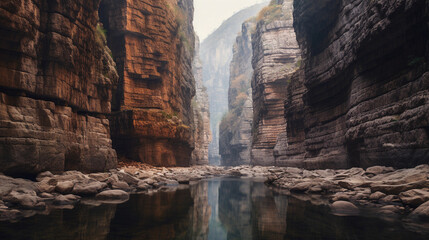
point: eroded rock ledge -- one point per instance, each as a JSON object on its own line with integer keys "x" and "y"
{"x": 152, "y": 43}
{"x": 361, "y": 97}
{"x": 275, "y": 57}
{"x": 56, "y": 87}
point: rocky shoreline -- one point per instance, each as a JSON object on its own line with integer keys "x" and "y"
{"x": 403, "y": 192}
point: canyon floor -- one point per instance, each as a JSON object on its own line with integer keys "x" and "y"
{"x": 384, "y": 191}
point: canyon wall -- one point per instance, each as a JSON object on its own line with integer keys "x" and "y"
{"x": 200, "y": 105}
{"x": 276, "y": 56}
{"x": 236, "y": 127}
{"x": 153, "y": 45}
{"x": 56, "y": 87}
{"x": 216, "y": 56}
{"x": 362, "y": 95}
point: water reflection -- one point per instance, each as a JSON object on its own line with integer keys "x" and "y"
{"x": 155, "y": 217}
{"x": 83, "y": 222}
{"x": 248, "y": 210}
{"x": 216, "y": 209}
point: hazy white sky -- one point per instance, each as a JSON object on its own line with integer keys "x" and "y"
{"x": 209, "y": 14}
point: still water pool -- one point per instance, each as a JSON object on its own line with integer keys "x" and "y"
{"x": 215, "y": 209}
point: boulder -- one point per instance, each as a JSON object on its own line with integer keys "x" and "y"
{"x": 43, "y": 175}
{"x": 302, "y": 187}
{"x": 101, "y": 177}
{"x": 149, "y": 181}
{"x": 376, "y": 196}
{"x": 121, "y": 185}
{"x": 341, "y": 196}
{"x": 46, "y": 196}
{"x": 47, "y": 185}
{"x": 71, "y": 176}
{"x": 415, "y": 197}
{"x": 113, "y": 195}
{"x": 389, "y": 199}
{"x": 69, "y": 199}
{"x": 142, "y": 185}
{"x": 22, "y": 199}
{"x": 7, "y": 184}
{"x": 422, "y": 212}
{"x": 123, "y": 176}
{"x": 182, "y": 179}
{"x": 352, "y": 183}
{"x": 344, "y": 208}
{"x": 64, "y": 187}
{"x": 88, "y": 188}
{"x": 143, "y": 175}
{"x": 375, "y": 170}
{"x": 397, "y": 189}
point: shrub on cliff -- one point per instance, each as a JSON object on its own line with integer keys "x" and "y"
{"x": 272, "y": 12}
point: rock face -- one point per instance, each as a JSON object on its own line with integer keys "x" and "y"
{"x": 236, "y": 128}
{"x": 55, "y": 89}
{"x": 275, "y": 58}
{"x": 216, "y": 56}
{"x": 152, "y": 43}
{"x": 362, "y": 96}
{"x": 200, "y": 105}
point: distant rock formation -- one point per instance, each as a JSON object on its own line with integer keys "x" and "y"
{"x": 200, "y": 104}
{"x": 216, "y": 56}
{"x": 276, "y": 56}
{"x": 56, "y": 81}
{"x": 153, "y": 45}
{"x": 236, "y": 127}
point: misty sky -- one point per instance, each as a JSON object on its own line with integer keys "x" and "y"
{"x": 209, "y": 14}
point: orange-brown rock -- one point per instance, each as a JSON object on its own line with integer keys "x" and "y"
{"x": 56, "y": 80}
{"x": 275, "y": 57}
{"x": 152, "y": 43}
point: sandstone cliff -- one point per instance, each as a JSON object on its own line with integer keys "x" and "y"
{"x": 362, "y": 97}
{"x": 216, "y": 56}
{"x": 236, "y": 127}
{"x": 275, "y": 57}
{"x": 55, "y": 88}
{"x": 200, "y": 105}
{"x": 152, "y": 43}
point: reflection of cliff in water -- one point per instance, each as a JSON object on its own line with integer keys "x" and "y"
{"x": 159, "y": 216}
{"x": 216, "y": 229}
{"x": 216, "y": 209}
{"x": 200, "y": 212}
{"x": 83, "y": 222}
{"x": 308, "y": 221}
{"x": 182, "y": 214}
{"x": 248, "y": 210}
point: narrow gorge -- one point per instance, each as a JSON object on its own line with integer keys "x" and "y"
{"x": 292, "y": 119}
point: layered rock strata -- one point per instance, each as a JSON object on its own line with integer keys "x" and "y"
{"x": 216, "y": 56}
{"x": 236, "y": 127}
{"x": 275, "y": 57}
{"x": 55, "y": 89}
{"x": 152, "y": 43}
{"x": 362, "y": 97}
{"x": 200, "y": 105}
